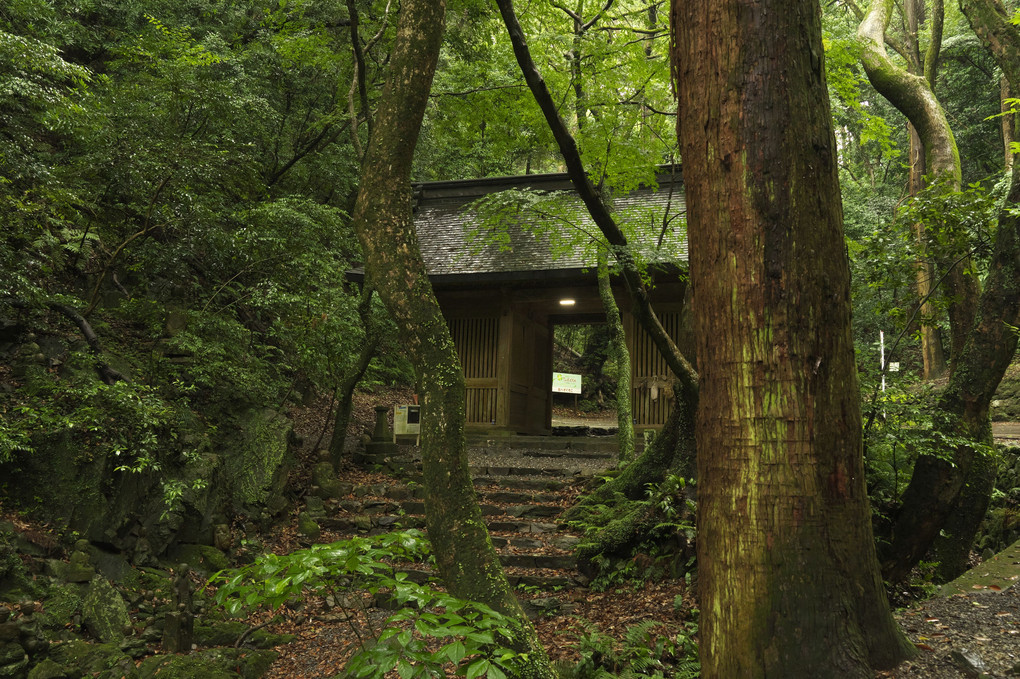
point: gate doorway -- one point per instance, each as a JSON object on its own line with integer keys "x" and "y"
{"x": 581, "y": 347}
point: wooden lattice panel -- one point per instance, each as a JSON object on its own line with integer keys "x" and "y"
{"x": 477, "y": 340}
{"x": 652, "y": 382}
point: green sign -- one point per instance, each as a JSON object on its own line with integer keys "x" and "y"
{"x": 565, "y": 383}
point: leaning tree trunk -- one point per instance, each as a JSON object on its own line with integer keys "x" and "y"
{"x": 621, "y": 359}
{"x": 959, "y": 487}
{"x": 677, "y": 449}
{"x": 383, "y": 220}
{"x": 912, "y": 95}
{"x": 787, "y": 576}
{"x": 933, "y": 359}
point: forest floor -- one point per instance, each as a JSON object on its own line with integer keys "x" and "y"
{"x": 970, "y": 628}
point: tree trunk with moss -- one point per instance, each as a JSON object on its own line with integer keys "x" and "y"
{"x": 787, "y": 576}
{"x": 948, "y": 496}
{"x": 626, "y": 524}
{"x": 621, "y": 360}
{"x": 912, "y": 95}
{"x": 933, "y": 358}
{"x": 345, "y": 390}
{"x": 382, "y": 218}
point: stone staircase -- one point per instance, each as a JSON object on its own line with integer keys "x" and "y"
{"x": 523, "y": 486}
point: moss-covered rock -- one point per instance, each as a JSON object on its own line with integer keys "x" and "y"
{"x": 13, "y": 659}
{"x": 14, "y": 580}
{"x": 62, "y": 603}
{"x": 308, "y": 527}
{"x": 1005, "y": 407}
{"x": 48, "y": 669}
{"x": 261, "y": 448}
{"x": 215, "y": 663}
{"x": 203, "y": 559}
{"x": 227, "y": 633}
{"x": 101, "y": 660}
{"x": 104, "y": 612}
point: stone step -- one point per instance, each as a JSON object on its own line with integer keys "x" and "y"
{"x": 554, "y": 561}
{"x": 554, "y": 472}
{"x": 523, "y": 483}
{"x": 578, "y": 454}
{"x": 382, "y": 506}
{"x": 550, "y": 581}
{"x": 517, "y": 442}
{"x": 563, "y": 541}
{"x": 490, "y": 492}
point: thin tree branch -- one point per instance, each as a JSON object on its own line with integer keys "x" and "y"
{"x": 596, "y": 207}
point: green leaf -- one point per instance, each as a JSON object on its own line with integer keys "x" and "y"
{"x": 404, "y": 669}
{"x": 481, "y": 637}
{"x": 455, "y": 651}
{"x": 478, "y": 668}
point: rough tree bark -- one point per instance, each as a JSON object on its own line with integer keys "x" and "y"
{"x": 383, "y": 221}
{"x": 952, "y": 495}
{"x": 787, "y": 575}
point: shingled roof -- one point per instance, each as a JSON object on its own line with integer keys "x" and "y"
{"x": 456, "y": 246}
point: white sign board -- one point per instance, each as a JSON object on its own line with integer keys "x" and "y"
{"x": 894, "y": 367}
{"x": 565, "y": 383}
{"x": 406, "y": 420}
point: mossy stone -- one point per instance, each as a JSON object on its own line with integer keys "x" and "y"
{"x": 254, "y": 460}
{"x": 324, "y": 478}
{"x": 13, "y": 659}
{"x": 104, "y": 612}
{"x": 204, "y": 559}
{"x": 215, "y": 663}
{"x": 48, "y": 669}
{"x": 307, "y": 527}
{"x": 89, "y": 659}
{"x": 227, "y": 634}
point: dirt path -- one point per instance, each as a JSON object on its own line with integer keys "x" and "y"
{"x": 1006, "y": 431}
{"x": 971, "y": 628}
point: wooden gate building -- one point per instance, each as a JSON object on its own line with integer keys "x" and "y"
{"x": 504, "y": 276}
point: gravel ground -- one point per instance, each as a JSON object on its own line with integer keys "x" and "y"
{"x": 500, "y": 457}
{"x": 983, "y": 627}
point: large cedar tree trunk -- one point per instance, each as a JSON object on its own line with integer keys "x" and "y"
{"x": 383, "y": 220}
{"x": 787, "y": 575}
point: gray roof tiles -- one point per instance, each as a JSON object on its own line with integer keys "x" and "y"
{"x": 453, "y": 240}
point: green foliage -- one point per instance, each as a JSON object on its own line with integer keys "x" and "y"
{"x": 884, "y": 263}
{"x": 853, "y": 114}
{"x": 132, "y": 426}
{"x": 126, "y": 421}
{"x": 646, "y": 650}
{"x": 908, "y": 424}
{"x": 954, "y": 221}
{"x": 474, "y": 637}
{"x": 611, "y": 80}
{"x": 655, "y": 535}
